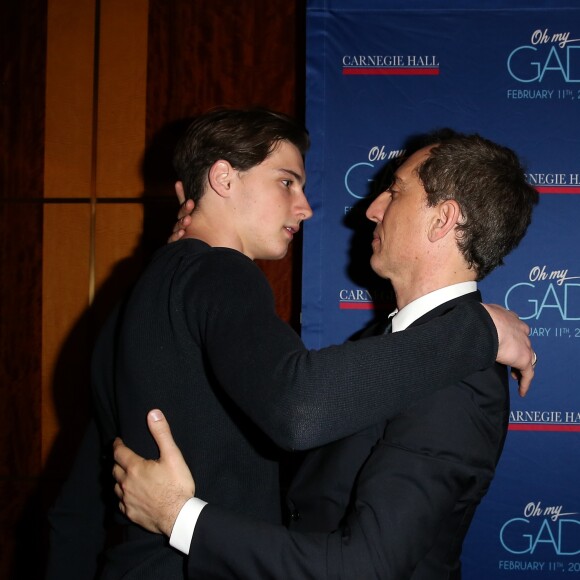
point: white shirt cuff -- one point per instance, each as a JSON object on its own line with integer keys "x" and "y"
{"x": 185, "y": 524}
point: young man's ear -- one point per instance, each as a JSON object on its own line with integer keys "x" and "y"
{"x": 220, "y": 177}
{"x": 446, "y": 216}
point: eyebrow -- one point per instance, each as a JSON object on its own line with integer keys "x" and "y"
{"x": 297, "y": 176}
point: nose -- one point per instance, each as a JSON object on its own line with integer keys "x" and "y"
{"x": 303, "y": 207}
{"x": 376, "y": 210}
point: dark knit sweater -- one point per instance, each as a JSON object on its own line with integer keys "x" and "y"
{"x": 199, "y": 338}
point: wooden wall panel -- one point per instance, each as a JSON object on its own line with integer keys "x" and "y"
{"x": 68, "y": 174}
{"x": 206, "y": 54}
{"x": 22, "y": 73}
{"x": 91, "y": 96}
{"x": 20, "y": 381}
{"x": 122, "y": 72}
{"x": 96, "y": 67}
{"x": 66, "y": 339}
{"x": 69, "y": 98}
{"x": 119, "y": 149}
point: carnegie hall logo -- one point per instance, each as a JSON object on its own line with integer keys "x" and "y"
{"x": 537, "y": 535}
{"x": 355, "y": 299}
{"x": 362, "y": 299}
{"x": 558, "y": 183}
{"x": 390, "y": 64}
{"x": 546, "y": 420}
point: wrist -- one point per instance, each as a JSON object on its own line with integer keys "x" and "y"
{"x": 174, "y": 508}
{"x": 183, "y": 529}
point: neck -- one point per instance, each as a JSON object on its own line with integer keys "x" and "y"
{"x": 203, "y": 228}
{"x": 431, "y": 278}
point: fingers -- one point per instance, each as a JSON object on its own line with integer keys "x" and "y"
{"x": 525, "y": 375}
{"x": 525, "y": 381}
{"x": 183, "y": 221}
{"x": 526, "y": 370}
{"x": 186, "y": 209}
{"x": 179, "y": 191}
{"x": 179, "y": 229}
{"x": 515, "y": 348}
{"x": 159, "y": 429}
{"x": 181, "y": 224}
{"x": 119, "y": 474}
{"x": 124, "y": 458}
{"x": 123, "y": 455}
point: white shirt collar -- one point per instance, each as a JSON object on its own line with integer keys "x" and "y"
{"x": 403, "y": 318}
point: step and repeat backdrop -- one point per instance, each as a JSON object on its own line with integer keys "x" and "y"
{"x": 381, "y": 72}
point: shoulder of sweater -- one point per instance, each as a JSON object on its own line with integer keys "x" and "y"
{"x": 223, "y": 270}
{"x": 192, "y": 251}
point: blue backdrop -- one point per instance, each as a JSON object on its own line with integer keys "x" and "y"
{"x": 379, "y": 72}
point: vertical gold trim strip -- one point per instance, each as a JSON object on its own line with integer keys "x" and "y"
{"x": 94, "y": 156}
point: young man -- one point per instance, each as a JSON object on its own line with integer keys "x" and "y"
{"x": 395, "y": 500}
{"x": 199, "y": 337}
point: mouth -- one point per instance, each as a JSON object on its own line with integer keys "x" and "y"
{"x": 292, "y": 230}
{"x": 376, "y": 240}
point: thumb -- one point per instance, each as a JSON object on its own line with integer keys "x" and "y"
{"x": 180, "y": 192}
{"x": 159, "y": 428}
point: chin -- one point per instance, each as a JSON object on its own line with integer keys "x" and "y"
{"x": 380, "y": 270}
{"x": 273, "y": 255}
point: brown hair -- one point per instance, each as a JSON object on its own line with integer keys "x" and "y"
{"x": 489, "y": 183}
{"x": 244, "y": 138}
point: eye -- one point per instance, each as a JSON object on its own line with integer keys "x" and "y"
{"x": 287, "y": 182}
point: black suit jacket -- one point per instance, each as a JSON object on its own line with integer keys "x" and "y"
{"x": 403, "y": 514}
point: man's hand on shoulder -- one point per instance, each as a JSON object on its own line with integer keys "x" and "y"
{"x": 152, "y": 492}
{"x": 183, "y": 221}
{"x": 515, "y": 349}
